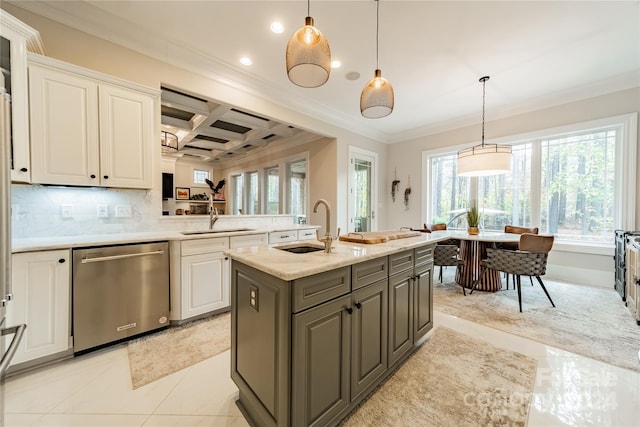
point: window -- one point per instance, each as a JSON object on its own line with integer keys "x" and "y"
{"x": 236, "y": 194}
{"x": 297, "y": 172}
{"x": 253, "y": 199}
{"x": 569, "y": 182}
{"x": 199, "y": 176}
{"x": 273, "y": 191}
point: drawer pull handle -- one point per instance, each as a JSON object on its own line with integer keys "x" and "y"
{"x": 115, "y": 257}
{"x": 23, "y": 169}
{"x": 286, "y": 236}
{"x": 358, "y": 305}
{"x": 349, "y": 310}
{"x": 62, "y": 260}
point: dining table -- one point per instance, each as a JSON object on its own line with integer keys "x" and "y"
{"x": 473, "y": 249}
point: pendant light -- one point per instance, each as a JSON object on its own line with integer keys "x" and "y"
{"x": 376, "y": 99}
{"x": 484, "y": 159}
{"x": 308, "y": 56}
{"x": 169, "y": 140}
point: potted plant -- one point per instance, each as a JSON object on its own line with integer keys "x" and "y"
{"x": 473, "y": 220}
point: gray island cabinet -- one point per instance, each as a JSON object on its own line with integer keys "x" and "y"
{"x": 306, "y": 351}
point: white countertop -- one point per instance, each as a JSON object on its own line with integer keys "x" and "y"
{"x": 290, "y": 266}
{"x": 67, "y": 242}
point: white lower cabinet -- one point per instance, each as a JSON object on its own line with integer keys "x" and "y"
{"x": 205, "y": 284}
{"x": 41, "y": 300}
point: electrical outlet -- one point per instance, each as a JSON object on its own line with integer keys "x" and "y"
{"x": 67, "y": 211}
{"x": 103, "y": 211}
{"x": 123, "y": 211}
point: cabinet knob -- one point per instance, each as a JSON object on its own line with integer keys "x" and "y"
{"x": 349, "y": 310}
{"x": 93, "y": 176}
{"x": 106, "y": 177}
{"x": 62, "y": 260}
{"x": 358, "y": 305}
{"x": 226, "y": 258}
{"x": 23, "y": 169}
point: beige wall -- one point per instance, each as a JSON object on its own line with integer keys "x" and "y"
{"x": 64, "y": 43}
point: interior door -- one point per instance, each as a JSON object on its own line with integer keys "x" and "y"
{"x": 362, "y": 190}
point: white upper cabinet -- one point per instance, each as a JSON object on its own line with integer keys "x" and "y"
{"x": 88, "y": 131}
{"x": 16, "y": 38}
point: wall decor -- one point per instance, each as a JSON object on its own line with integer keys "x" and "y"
{"x": 183, "y": 193}
{"x": 407, "y": 191}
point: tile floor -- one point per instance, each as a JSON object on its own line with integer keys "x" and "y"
{"x": 95, "y": 390}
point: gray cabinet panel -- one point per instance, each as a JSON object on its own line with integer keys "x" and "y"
{"x": 401, "y": 261}
{"x": 423, "y": 301}
{"x": 424, "y": 255}
{"x": 321, "y": 362}
{"x": 368, "y": 336}
{"x": 367, "y": 272}
{"x": 400, "y": 315}
{"x": 316, "y": 289}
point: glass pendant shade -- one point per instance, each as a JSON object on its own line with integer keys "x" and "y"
{"x": 308, "y": 56}
{"x": 484, "y": 160}
{"x": 376, "y": 99}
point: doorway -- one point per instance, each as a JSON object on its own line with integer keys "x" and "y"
{"x": 363, "y": 172}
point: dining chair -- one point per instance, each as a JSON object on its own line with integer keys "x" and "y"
{"x": 447, "y": 255}
{"x": 529, "y": 260}
{"x": 514, "y": 229}
{"x": 438, "y": 227}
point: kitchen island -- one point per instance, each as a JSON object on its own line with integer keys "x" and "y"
{"x": 313, "y": 334}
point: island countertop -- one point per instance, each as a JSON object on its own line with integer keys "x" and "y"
{"x": 290, "y": 266}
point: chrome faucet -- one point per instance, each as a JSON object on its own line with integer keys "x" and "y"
{"x": 327, "y": 239}
{"x": 213, "y": 213}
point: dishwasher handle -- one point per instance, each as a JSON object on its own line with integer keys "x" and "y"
{"x": 11, "y": 351}
{"x": 123, "y": 256}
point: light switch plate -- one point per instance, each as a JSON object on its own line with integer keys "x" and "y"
{"x": 123, "y": 211}
{"x": 67, "y": 211}
{"x": 103, "y": 211}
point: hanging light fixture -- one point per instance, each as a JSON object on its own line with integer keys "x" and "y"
{"x": 308, "y": 56}
{"x": 484, "y": 159}
{"x": 376, "y": 99}
{"x": 169, "y": 140}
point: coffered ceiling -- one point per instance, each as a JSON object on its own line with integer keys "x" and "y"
{"x": 538, "y": 53}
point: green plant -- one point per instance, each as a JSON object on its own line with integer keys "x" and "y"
{"x": 473, "y": 217}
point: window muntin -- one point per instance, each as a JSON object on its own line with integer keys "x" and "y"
{"x": 253, "y": 199}
{"x": 273, "y": 191}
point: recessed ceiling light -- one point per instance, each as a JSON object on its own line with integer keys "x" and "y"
{"x": 335, "y": 63}
{"x": 246, "y": 60}
{"x": 353, "y": 75}
{"x": 277, "y": 27}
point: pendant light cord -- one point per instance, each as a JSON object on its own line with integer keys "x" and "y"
{"x": 484, "y": 82}
{"x": 308, "y": 7}
{"x": 377, "y": 30}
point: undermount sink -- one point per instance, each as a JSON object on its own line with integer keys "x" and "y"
{"x": 228, "y": 230}
{"x": 301, "y": 249}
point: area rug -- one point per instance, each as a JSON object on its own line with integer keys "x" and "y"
{"x": 591, "y": 322}
{"x": 155, "y": 356}
{"x": 453, "y": 380}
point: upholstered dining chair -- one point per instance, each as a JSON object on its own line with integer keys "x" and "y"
{"x": 438, "y": 227}
{"x": 447, "y": 255}
{"x": 529, "y": 260}
{"x": 514, "y": 229}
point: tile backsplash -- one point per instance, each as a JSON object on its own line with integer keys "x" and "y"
{"x": 48, "y": 211}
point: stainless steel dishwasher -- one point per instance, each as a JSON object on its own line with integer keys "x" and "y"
{"x": 118, "y": 292}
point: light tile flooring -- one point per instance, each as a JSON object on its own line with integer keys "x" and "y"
{"x": 95, "y": 390}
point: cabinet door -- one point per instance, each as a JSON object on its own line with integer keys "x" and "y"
{"x": 321, "y": 338}
{"x": 205, "y": 283}
{"x": 64, "y": 127}
{"x": 368, "y": 336}
{"x": 422, "y": 301}
{"x": 126, "y": 137}
{"x": 41, "y": 299}
{"x": 400, "y": 315}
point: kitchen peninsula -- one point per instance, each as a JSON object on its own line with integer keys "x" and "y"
{"x": 313, "y": 334}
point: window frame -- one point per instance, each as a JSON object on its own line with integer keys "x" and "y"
{"x": 625, "y": 166}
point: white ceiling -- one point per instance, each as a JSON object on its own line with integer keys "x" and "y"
{"x": 538, "y": 53}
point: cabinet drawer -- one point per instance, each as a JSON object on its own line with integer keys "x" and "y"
{"x": 401, "y": 261}
{"x": 368, "y": 272}
{"x": 308, "y": 234}
{"x": 248, "y": 240}
{"x": 283, "y": 236}
{"x": 201, "y": 246}
{"x": 316, "y": 289}
{"x": 424, "y": 254}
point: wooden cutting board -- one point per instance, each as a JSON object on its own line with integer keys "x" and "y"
{"x": 372, "y": 237}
